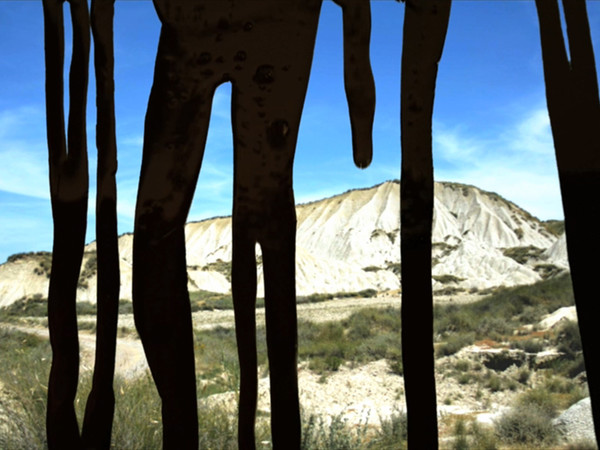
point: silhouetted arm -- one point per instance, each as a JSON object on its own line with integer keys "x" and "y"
{"x": 358, "y": 77}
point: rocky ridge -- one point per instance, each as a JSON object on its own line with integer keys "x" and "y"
{"x": 348, "y": 243}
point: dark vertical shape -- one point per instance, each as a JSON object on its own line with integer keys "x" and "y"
{"x": 574, "y": 109}
{"x": 68, "y": 191}
{"x": 425, "y": 25}
{"x": 264, "y": 48}
{"x": 97, "y": 423}
{"x": 358, "y": 77}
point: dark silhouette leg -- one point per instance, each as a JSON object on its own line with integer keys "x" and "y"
{"x": 282, "y": 336}
{"x": 243, "y": 287}
{"x": 68, "y": 190}
{"x": 574, "y": 109}
{"x": 425, "y": 25}
{"x": 175, "y": 136}
{"x": 99, "y": 412}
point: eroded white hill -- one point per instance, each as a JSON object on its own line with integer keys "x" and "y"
{"x": 351, "y": 242}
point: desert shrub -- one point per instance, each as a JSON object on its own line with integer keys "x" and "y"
{"x": 316, "y": 298}
{"x": 88, "y": 270}
{"x": 392, "y": 433}
{"x": 462, "y": 365}
{"x": 569, "y": 340}
{"x": 547, "y": 270}
{"x": 451, "y": 290}
{"x": 531, "y": 345}
{"x": 87, "y": 325}
{"x": 223, "y": 267}
{"x": 461, "y": 441}
{"x": 569, "y": 368}
{"x": 522, "y": 254}
{"x": 505, "y": 308}
{"x": 493, "y": 382}
{"x": 453, "y": 319}
{"x": 541, "y": 399}
{"x": 86, "y": 309}
{"x": 493, "y": 328}
{"x": 526, "y": 425}
{"x": 34, "y": 306}
{"x": 454, "y": 343}
{"x": 523, "y": 375}
{"x": 372, "y": 269}
{"x": 582, "y": 445}
{"x": 395, "y": 363}
{"x": 366, "y": 293}
{"x": 24, "y": 369}
{"x": 326, "y": 346}
{"x": 482, "y": 437}
{"x": 366, "y": 335}
{"x": 446, "y": 279}
{"x": 556, "y": 227}
{"x": 565, "y": 391}
{"x": 316, "y": 433}
{"x": 125, "y": 306}
{"x": 209, "y": 301}
{"x": 394, "y": 267}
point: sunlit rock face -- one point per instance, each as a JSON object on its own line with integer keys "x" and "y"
{"x": 351, "y": 242}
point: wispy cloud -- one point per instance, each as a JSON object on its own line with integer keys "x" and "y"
{"x": 518, "y": 163}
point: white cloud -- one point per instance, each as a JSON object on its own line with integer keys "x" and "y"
{"x": 519, "y": 164}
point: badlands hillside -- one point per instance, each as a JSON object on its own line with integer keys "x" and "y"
{"x": 349, "y": 243}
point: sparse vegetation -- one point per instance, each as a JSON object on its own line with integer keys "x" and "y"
{"x": 519, "y": 232}
{"x": 529, "y": 422}
{"x": 391, "y": 235}
{"x": 523, "y": 254}
{"x": 396, "y": 268}
{"x": 223, "y": 267}
{"x": 547, "y": 270}
{"x": 34, "y": 306}
{"x": 555, "y": 227}
{"x": 447, "y": 279}
{"x": 89, "y": 270}
{"x": 367, "y": 335}
{"x": 443, "y": 248}
{"x": 44, "y": 260}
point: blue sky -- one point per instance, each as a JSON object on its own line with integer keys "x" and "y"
{"x": 491, "y": 127}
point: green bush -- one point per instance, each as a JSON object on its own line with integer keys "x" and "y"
{"x": 523, "y": 254}
{"x": 446, "y": 279}
{"x": 223, "y": 267}
{"x": 34, "y": 306}
{"x": 392, "y": 433}
{"x": 531, "y": 345}
{"x": 541, "y": 399}
{"x": 454, "y": 343}
{"x": 547, "y": 270}
{"x": 317, "y": 434}
{"x": 569, "y": 340}
{"x": 526, "y": 425}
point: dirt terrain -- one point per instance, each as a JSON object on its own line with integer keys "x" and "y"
{"x": 359, "y": 395}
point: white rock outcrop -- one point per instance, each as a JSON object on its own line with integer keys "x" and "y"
{"x": 351, "y": 242}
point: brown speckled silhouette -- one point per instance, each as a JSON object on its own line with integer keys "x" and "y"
{"x": 425, "y": 25}
{"x": 574, "y": 109}
{"x": 264, "y": 48}
{"x": 69, "y": 195}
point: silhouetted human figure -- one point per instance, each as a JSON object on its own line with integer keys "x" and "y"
{"x": 425, "y": 26}
{"x": 264, "y": 48}
{"x": 574, "y": 109}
